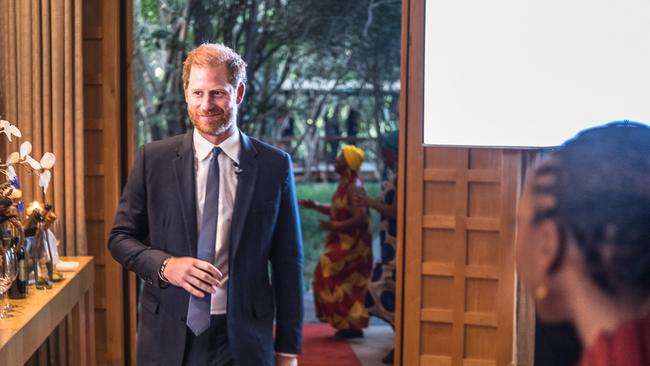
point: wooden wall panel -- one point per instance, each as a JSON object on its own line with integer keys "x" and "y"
{"x": 456, "y": 224}
{"x": 129, "y": 139}
{"x": 102, "y": 136}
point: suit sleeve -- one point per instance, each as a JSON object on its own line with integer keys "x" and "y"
{"x": 130, "y": 230}
{"x": 287, "y": 267}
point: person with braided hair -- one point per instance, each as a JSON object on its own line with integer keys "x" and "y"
{"x": 583, "y": 241}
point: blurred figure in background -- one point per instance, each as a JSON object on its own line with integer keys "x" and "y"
{"x": 332, "y": 134}
{"x": 583, "y": 241}
{"x": 341, "y": 275}
{"x": 380, "y": 298}
{"x": 352, "y": 125}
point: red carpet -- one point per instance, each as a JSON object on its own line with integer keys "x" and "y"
{"x": 320, "y": 348}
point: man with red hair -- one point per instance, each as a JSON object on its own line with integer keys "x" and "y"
{"x": 201, "y": 217}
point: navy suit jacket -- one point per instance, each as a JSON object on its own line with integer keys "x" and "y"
{"x": 156, "y": 218}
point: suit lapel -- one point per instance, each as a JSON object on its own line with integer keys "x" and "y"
{"x": 245, "y": 190}
{"x": 186, "y": 186}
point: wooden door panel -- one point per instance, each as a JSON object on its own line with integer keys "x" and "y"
{"x": 465, "y": 265}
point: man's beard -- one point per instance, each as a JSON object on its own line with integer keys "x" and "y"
{"x": 224, "y": 121}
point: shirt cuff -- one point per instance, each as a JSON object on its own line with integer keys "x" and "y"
{"x": 286, "y": 354}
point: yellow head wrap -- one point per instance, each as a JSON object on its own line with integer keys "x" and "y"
{"x": 353, "y": 156}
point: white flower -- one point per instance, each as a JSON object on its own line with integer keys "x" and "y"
{"x": 11, "y": 172}
{"x": 25, "y": 149}
{"x": 33, "y": 163}
{"x": 47, "y": 161}
{"x": 15, "y": 131}
{"x": 8, "y": 129}
{"x": 22, "y": 157}
{"x": 13, "y": 158}
{"x": 44, "y": 180}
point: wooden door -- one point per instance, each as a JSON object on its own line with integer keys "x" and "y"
{"x": 456, "y": 234}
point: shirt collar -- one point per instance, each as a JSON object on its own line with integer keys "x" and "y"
{"x": 230, "y": 146}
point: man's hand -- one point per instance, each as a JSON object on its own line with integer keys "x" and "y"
{"x": 194, "y": 275}
{"x": 281, "y": 360}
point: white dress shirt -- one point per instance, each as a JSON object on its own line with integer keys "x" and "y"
{"x": 228, "y": 163}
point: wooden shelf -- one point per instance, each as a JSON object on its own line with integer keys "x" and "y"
{"x": 43, "y": 310}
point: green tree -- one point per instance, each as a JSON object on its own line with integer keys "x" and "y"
{"x": 305, "y": 57}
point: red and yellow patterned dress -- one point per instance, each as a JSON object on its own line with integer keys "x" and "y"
{"x": 343, "y": 270}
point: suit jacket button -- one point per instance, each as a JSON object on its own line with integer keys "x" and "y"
{"x": 184, "y": 319}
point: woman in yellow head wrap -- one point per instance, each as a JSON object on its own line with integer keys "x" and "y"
{"x": 353, "y": 156}
{"x": 342, "y": 273}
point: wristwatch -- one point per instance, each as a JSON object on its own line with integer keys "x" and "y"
{"x": 161, "y": 271}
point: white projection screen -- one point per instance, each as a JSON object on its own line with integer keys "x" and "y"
{"x": 522, "y": 73}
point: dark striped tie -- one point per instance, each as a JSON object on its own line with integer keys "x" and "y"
{"x": 198, "y": 312}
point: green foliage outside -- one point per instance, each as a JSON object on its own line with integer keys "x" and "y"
{"x": 317, "y": 69}
{"x": 312, "y": 235}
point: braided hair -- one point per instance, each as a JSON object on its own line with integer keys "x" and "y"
{"x": 597, "y": 188}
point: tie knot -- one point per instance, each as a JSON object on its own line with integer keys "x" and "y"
{"x": 216, "y": 151}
